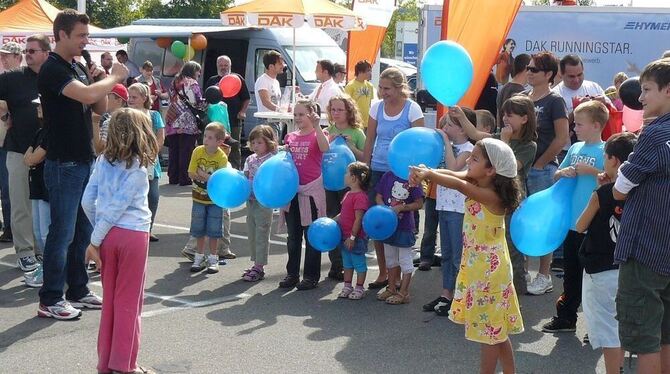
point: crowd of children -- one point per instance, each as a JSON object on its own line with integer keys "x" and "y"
{"x": 614, "y": 258}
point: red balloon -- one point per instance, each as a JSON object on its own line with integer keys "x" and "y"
{"x": 230, "y": 85}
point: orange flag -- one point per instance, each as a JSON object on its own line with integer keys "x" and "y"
{"x": 481, "y": 27}
{"x": 364, "y": 45}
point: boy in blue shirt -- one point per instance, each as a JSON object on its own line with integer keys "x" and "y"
{"x": 643, "y": 245}
{"x": 584, "y": 161}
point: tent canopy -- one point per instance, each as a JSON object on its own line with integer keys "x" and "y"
{"x": 30, "y": 17}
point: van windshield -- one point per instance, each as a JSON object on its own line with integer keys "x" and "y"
{"x": 306, "y": 58}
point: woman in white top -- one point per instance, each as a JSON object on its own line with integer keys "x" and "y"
{"x": 394, "y": 113}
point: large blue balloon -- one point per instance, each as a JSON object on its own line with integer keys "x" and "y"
{"x": 228, "y": 188}
{"x": 415, "y": 146}
{"x": 324, "y": 234}
{"x": 542, "y": 221}
{"x": 276, "y": 181}
{"x": 334, "y": 164}
{"x": 446, "y": 70}
{"x": 380, "y": 222}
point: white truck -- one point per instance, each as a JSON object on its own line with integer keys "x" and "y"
{"x": 608, "y": 39}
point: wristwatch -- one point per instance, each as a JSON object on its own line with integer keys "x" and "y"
{"x": 352, "y": 237}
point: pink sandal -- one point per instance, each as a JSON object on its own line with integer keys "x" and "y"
{"x": 357, "y": 294}
{"x": 253, "y": 275}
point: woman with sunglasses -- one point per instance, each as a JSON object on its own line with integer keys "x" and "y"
{"x": 552, "y": 135}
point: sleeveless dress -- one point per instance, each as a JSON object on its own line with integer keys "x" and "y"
{"x": 484, "y": 299}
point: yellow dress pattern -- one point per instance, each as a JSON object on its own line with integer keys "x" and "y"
{"x": 484, "y": 299}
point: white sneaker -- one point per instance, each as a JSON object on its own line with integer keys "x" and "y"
{"x": 212, "y": 264}
{"x": 199, "y": 263}
{"x": 540, "y": 285}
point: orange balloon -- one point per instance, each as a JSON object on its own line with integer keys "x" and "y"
{"x": 164, "y": 42}
{"x": 198, "y": 42}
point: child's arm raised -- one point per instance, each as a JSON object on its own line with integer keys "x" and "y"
{"x": 584, "y": 220}
{"x": 470, "y": 130}
{"x": 453, "y": 163}
{"x": 321, "y": 138}
{"x": 486, "y": 196}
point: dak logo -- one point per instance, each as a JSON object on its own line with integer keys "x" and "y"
{"x": 235, "y": 19}
{"x": 326, "y": 21}
{"x": 277, "y": 20}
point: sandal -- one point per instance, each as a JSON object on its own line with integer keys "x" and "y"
{"x": 254, "y": 275}
{"x": 346, "y": 292}
{"x": 382, "y": 296}
{"x": 357, "y": 294}
{"x": 398, "y": 299}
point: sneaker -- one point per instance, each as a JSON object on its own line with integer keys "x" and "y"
{"x": 34, "y": 278}
{"x": 212, "y": 264}
{"x": 528, "y": 278}
{"x": 337, "y": 275}
{"x": 306, "y": 284}
{"x": 6, "y": 236}
{"x": 557, "y": 265}
{"x": 424, "y": 266}
{"x": 188, "y": 253}
{"x": 90, "y": 301}
{"x": 91, "y": 266}
{"x": 442, "y": 308}
{"x": 559, "y": 325}
{"x": 27, "y": 263}
{"x": 62, "y": 310}
{"x": 289, "y": 282}
{"x": 199, "y": 263}
{"x": 586, "y": 339}
{"x": 153, "y": 238}
{"x": 430, "y": 307}
{"x": 227, "y": 254}
{"x": 540, "y": 285}
{"x": 39, "y": 258}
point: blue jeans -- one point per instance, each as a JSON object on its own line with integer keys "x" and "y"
{"x": 206, "y": 220}
{"x": 539, "y": 180}
{"x": 4, "y": 191}
{"x": 41, "y": 222}
{"x": 431, "y": 220}
{"x": 451, "y": 242}
{"x": 69, "y": 232}
{"x": 153, "y": 197}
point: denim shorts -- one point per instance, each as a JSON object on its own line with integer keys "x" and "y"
{"x": 206, "y": 220}
{"x": 355, "y": 259}
{"x": 401, "y": 238}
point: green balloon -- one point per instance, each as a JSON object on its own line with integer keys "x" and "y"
{"x": 178, "y": 49}
{"x": 123, "y": 40}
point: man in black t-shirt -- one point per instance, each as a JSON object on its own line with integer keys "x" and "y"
{"x": 68, "y": 96}
{"x": 237, "y": 107}
{"x": 19, "y": 88}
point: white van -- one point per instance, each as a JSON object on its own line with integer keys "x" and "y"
{"x": 244, "y": 46}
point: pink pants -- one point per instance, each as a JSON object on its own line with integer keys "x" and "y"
{"x": 124, "y": 261}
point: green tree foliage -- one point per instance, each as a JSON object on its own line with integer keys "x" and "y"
{"x": 114, "y": 13}
{"x": 408, "y": 10}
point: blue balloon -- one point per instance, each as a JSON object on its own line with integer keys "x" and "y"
{"x": 380, "y": 222}
{"x": 542, "y": 221}
{"x": 446, "y": 70}
{"x": 324, "y": 234}
{"x": 276, "y": 181}
{"x": 334, "y": 164}
{"x": 228, "y": 188}
{"x": 415, "y": 146}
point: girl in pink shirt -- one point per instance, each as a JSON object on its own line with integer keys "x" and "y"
{"x": 307, "y": 145}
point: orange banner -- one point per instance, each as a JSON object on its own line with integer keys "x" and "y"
{"x": 364, "y": 45}
{"x": 481, "y": 27}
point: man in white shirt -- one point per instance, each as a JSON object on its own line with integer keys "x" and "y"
{"x": 266, "y": 88}
{"x": 325, "y": 70}
{"x": 574, "y": 85}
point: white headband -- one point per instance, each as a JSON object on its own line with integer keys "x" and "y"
{"x": 501, "y": 156}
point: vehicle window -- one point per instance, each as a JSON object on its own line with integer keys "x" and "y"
{"x": 307, "y": 56}
{"x": 147, "y": 50}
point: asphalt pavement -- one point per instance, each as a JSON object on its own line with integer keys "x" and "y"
{"x": 200, "y": 323}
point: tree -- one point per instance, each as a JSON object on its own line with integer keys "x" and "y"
{"x": 183, "y": 8}
{"x": 408, "y": 10}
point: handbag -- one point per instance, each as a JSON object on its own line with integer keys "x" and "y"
{"x": 199, "y": 114}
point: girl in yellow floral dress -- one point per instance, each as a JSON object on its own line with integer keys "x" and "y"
{"x": 485, "y": 300}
